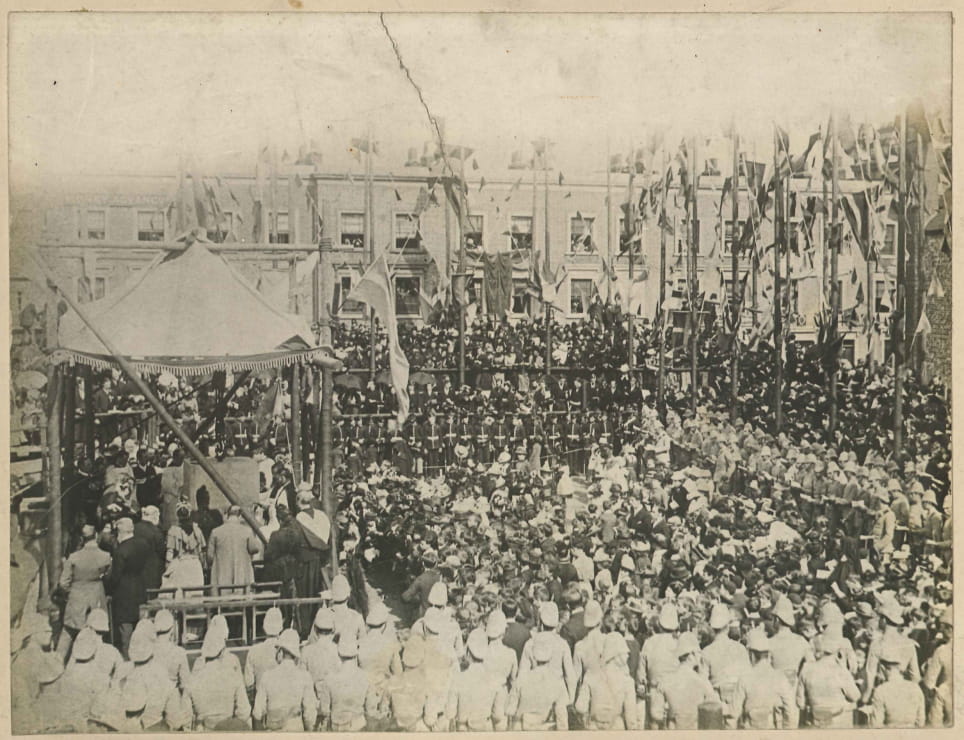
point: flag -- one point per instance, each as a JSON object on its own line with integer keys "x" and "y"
{"x": 806, "y": 161}
{"x": 398, "y": 196}
{"x": 856, "y": 209}
{"x": 481, "y": 183}
{"x": 497, "y": 271}
{"x": 376, "y": 289}
{"x": 362, "y": 146}
{"x": 727, "y": 188}
{"x": 561, "y": 178}
{"x": 935, "y": 289}
{"x": 475, "y": 165}
{"x": 515, "y": 186}
{"x": 449, "y": 184}
{"x": 923, "y": 326}
{"x": 421, "y": 202}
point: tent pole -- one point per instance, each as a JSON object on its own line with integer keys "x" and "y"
{"x": 165, "y": 415}
{"x": 295, "y": 389}
{"x": 70, "y": 414}
{"x": 89, "y": 424}
{"x": 323, "y": 459}
{"x": 55, "y": 408}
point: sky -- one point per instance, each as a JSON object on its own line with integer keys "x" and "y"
{"x": 129, "y": 93}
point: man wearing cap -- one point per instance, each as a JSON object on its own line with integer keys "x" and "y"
{"x": 540, "y": 698}
{"x": 261, "y": 657}
{"x": 607, "y": 693}
{"x": 588, "y": 652}
{"x": 478, "y": 699}
{"x": 82, "y": 578}
{"x": 675, "y": 700}
{"x": 882, "y": 534}
{"x": 346, "y": 696}
{"x": 938, "y": 681}
{"x": 826, "y": 690}
{"x": 82, "y": 678}
{"x": 379, "y": 655}
{"x": 446, "y": 633}
{"x": 788, "y": 650}
{"x": 349, "y": 624}
{"x": 166, "y": 651}
{"x": 897, "y": 702}
{"x": 407, "y": 692}
{"x": 418, "y": 592}
{"x": 126, "y": 582}
{"x": 147, "y": 530}
{"x": 106, "y": 657}
{"x": 658, "y": 656}
{"x": 725, "y": 660}
{"x": 320, "y": 655}
{"x": 560, "y": 657}
{"x": 500, "y": 659}
{"x": 890, "y": 639}
{"x": 764, "y": 699}
{"x": 149, "y": 671}
{"x": 285, "y": 698}
{"x": 215, "y": 693}
{"x": 230, "y": 550}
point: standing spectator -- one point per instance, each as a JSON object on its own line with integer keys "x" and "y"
{"x": 147, "y": 530}
{"x": 185, "y": 552}
{"x": 205, "y": 517}
{"x": 230, "y": 549}
{"x": 127, "y": 584}
{"x": 82, "y": 579}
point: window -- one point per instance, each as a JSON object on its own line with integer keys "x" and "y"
{"x": 890, "y": 240}
{"x": 150, "y": 226}
{"x": 97, "y": 225}
{"x": 474, "y": 232}
{"x": 406, "y": 296}
{"x": 520, "y": 298}
{"x": 847, "y": 350}
{"x": 473, "y": 291}
{"x": 84, "y": 293}
{"x": 407, "y": 236}
{"x": 281, "y": 234}
{"x": 728, "y": 234}
{"x": 342, "y": 305}
{"x": 352, "y": 230}
{"x": 520, "y": 232}
{"x": 580, "y": 234}
{"x": 880, "y": 288}
{"x": 580, "y": 293}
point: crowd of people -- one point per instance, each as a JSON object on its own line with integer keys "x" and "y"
{"x": 677, "y": 575}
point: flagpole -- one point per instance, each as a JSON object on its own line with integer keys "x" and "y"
{"x": 545, "y": 184}
{"x": 869, "y": 292}
{"x": 694, "y": 254}
{"x": 919, "y": 288}
{"x": 780, "y": 225}
{"x": 898, "y": 330}
{"x": 632, "y": 261}
{"x": 533, "y": 261}
{"x": 834, "y": 267}
{"x": 370, "y": 238}
{"x": 734, "y": 279}
{"x": 661, "y": 332}
{"x": 609, "y": 225}
{"x": 463, "y": 282}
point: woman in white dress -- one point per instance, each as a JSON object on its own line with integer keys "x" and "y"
{"x": 185, "y": 550}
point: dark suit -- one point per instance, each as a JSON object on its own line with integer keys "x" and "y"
{"x": 516, "y": 636}
{"x": 418, "y": 592}
{"x": 154, "y": 569}
{"x": 127, "y": 585}
{"x": 575, "y": 629}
